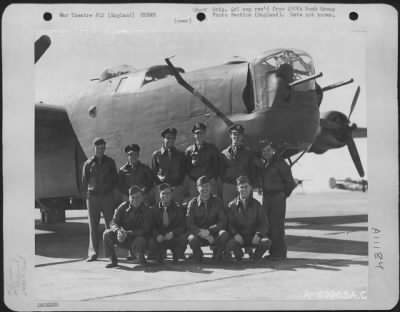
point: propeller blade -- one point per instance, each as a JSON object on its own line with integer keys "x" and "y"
{"x": 353, "y": 104}
{"x": 354, "y": 155}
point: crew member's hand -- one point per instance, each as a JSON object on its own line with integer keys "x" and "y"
{"x": 169, "y": 236}
{"x": 159, "y": 238}
{"x": 204, "y": 233}
{"x": 238, "y": 238}
{"x": 256, "y": 239}
{"x": 121, "y": 235}
{"x": 210, "y": 239}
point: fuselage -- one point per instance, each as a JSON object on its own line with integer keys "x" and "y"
{"x": 135, "y": 107}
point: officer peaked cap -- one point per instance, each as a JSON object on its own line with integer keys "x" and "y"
{"x": 99, "y": 141}
{"x": 164, "y": 186}
{"x": 135, "y": 189}
{"x": 171, "y": 131}
{"x": 132, "y": 148}
{"x": 202, "y": 180}
{"x": 237, "y": 127}
{"x": 199, "y": 126}
{"x": 242, "y": 180}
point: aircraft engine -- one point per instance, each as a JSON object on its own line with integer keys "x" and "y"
{"x": 336, "y": 131}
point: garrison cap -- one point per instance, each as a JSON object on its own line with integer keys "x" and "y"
{"x": 99, "y": 141}
{"x": 164, "y": 186}
{"x": 171, "y": 131}
{"x": 202, "y": 180}
{"x": 236, "y": 127}
{"x": 242, "y": 180}
{"x": 199, "y": 126}
{"x": 132, "y": 148}
{"x": 135, "y": 189}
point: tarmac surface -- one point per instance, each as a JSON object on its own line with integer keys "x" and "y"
{"x": 327, "y": 237}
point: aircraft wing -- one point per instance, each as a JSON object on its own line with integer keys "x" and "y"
{"x": 360, "y": 133}
{"x": 58, "y": 155}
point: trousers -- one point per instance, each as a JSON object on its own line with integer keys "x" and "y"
{"x": 196, "y": 242}
{"x": 97, "y": 204}
{"x": 136, "y": 244}
{"x": 261, "y": 247}
{"x": 275, "y": 207}
{"x": 176, "y": 245}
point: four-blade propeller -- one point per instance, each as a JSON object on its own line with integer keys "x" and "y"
{"x": 344, "y": 131}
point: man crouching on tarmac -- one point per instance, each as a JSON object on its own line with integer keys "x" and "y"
{"x": 206, "y": 222}
{"x": 169, "y": 224}
{"x": 247, "y": 223}
{"x": 129, "y": 228}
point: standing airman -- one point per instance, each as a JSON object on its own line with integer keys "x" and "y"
{"x": 238, "y": 160}
{"x": 278, "y": 183}
{"x": 134, "y": 172}
{"x": 99, "y": 177}
{"x": 202, "y": 159}
{"x": 168, "y": 164}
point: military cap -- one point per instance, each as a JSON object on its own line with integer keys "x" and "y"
{"x": 164, "y": 186}
{"x": 236, "y": 127}
{"x": 242, "y": 180}
{"x": 132, "y": 148}
{"x": 99, "y": 141}
{"x": 135, "y": 189}
{"x": 199, "y": 126}
{"x": 202, "y": 180}
{"x": 171, "y": 131}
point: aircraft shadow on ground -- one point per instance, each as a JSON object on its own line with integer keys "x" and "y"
{"x": 70, "y": 240}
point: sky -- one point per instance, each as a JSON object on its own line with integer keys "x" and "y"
{"x": 75, "y": 57}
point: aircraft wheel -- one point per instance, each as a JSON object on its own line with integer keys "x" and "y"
{"x": 52, "y": 210}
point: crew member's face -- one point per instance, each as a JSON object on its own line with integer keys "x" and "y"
{"x": 133, "y": 157}
{"x": 136, "y": 199}
{"x": 169, "y": 140}
{"x": 236, "y": 137}
{"x": 204, "y": 190}
{"x": 199, "y": 136}
{"x": 244, "y": 190}
{"x": 166, "y": 196}
{"x": 99, "y": 150}
{"x": 267, "y": 152}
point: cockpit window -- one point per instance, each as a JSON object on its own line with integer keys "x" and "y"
{"x": 289, "y": 65}
{"x": 130, "y": 83}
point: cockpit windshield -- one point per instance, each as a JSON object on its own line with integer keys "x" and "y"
{"x": 268, "y": 67}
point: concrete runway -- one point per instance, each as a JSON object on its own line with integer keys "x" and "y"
{"x": 327, "y": 236}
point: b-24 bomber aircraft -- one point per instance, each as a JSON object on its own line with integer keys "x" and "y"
{"x": 275, "y": 97}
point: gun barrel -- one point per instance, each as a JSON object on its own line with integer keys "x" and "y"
{"x": 297, "y": 82}
{"x": 337, "y": 85}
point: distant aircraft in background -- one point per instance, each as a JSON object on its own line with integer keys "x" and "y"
{"x": 349, "y": 184}
{"x": 275, "y": 97}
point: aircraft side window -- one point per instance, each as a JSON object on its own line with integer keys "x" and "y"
{"x": 129, "y": 84}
